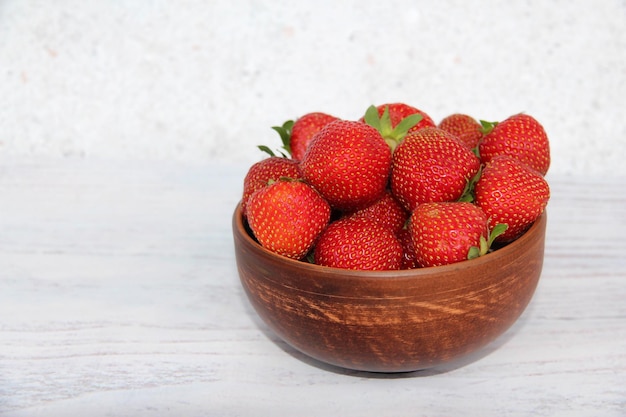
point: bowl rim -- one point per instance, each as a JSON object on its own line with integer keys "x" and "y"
{"x": 390, "y": 275}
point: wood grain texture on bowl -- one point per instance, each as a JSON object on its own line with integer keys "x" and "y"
{"x": 390, "y": 321}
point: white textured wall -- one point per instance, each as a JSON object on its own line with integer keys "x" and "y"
{"x": 204, "y": 80}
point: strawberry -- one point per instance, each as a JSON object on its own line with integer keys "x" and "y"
{"x": 511, "y": 193}
{"x": 386, "y": 210}
{"x": 296, "y": 136}
{"x": 431, "y": 165}
{"x": 409, "y": 258}
{"x": 348, "y": 162}
{"x": 399, "y": 111}
{"x": 444, "y": 233}
{"x": 262, "y": 172}
{"x": 287, "y": 217}
{"x": 464, "y": 127}
{"x": 520, "y": 136}
{"x": 358, "y": 243}
{"x": 304, "y": 129}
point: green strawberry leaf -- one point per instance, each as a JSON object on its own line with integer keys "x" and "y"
{"x": 371, "y": 117}
{"x": 385, "y": 123}
{"x": 468, "y": 192}
{"x": 392, "y": 135}
{"x": 266, "y": 150}
{"x": 284, "y": 132}
{"x": 485, "y": 244}
{"x": 487, "y": 126}
{"x": 402, "y": 128}
{"x": 473, "y": 252}
{"x": 497, "y": 230}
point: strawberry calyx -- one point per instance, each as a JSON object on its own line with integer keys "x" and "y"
{"x": 485, "y": 243}
{"x": 468, "y": 195}
{"x": 284, "y": 132}
{"x": 487, "y": 126}
{"x": 392, "y": 135}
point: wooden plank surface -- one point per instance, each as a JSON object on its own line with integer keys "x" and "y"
{"x": 119, "y": 296}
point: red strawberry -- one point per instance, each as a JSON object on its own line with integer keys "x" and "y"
{"x": 464, "y": 127}
{"x": 348, "y": 163}
{"x": 399, "y": 111}
{"x": 296, "y": 136}
{"x": 304, "y": 129}
{"x": 409, "y": 258}
{"x": 520, "y": 136}
{"x": 512, "y": 193}
{"x": 386, "y": 210}
{"x": 358, "y": 243}
{"x": 431, "y": 165}
{"x": 287, "y": 217}
{"x": 444, "y": 233}
{"x": 262, "y": 172}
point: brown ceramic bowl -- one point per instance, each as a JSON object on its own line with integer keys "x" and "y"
{"x": 390, "y": 321}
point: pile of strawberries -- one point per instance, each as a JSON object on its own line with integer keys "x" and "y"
{"x": 394, "y": 190}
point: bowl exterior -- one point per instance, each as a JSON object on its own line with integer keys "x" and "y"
{"x": 390, "y": 321}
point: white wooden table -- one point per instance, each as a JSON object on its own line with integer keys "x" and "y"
{"x": 119, "y": 296}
